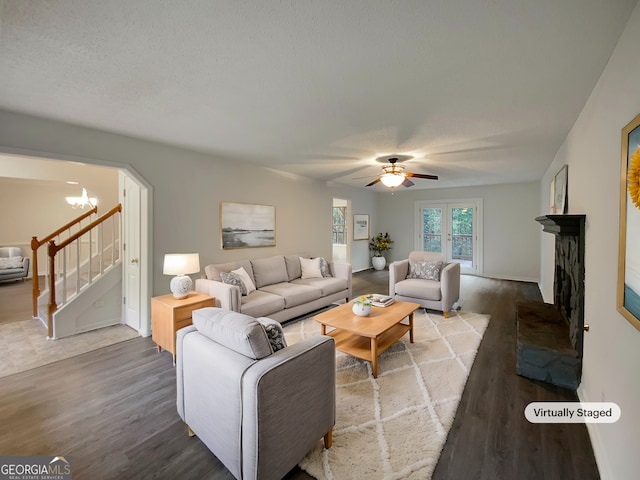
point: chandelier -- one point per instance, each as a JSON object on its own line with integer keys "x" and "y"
{"x": 82, "y": 201}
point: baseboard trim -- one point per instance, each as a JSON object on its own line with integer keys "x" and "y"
{"x": 596, "y": 442}
{"x": 509, "y": 277}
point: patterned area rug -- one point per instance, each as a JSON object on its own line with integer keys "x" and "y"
{"x": 394, "y": 426}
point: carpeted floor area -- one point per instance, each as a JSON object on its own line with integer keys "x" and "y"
{"x": 23, "y": 339}
{"x": 25, "y": 344}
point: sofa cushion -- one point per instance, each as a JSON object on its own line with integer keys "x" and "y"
{"x": 10, "y": 262}
{"x": 233, "y": 279}
{"x": 425, "y": 269}
{"x": 293, "y": 293}
{"x": 270, "y": 270}
{"x": 260, "y": 303}
{"x": 327, "y": 285}
{"x": 275, "y": 333}
{"x": 418, "y": 288}
{"x": 293, "y": 265}
{"x": 310, "y": 268}
{"x": 241, "y": 333}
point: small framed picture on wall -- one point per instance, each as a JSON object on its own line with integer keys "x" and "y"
{"x": 360, "y": 226}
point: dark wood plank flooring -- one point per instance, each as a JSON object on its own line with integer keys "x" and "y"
{"x": 113, "y": 410}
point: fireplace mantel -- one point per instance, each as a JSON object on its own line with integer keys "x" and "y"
{"x": 562, "y": 224}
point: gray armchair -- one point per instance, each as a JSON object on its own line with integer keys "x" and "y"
{"x": 16, "y": 267}
{"x": 417, "y": 279}
{"x": 257, "y": 406}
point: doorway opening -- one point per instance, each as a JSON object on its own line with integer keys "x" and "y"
{"x": 340, "y": 234}
{"x": 29, "y": 166}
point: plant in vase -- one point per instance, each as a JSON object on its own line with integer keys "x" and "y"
{"x": 379, "y": 244}
{"x": 362, "y": 306}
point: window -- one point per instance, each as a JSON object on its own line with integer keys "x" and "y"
{"x": 339, "y": 228}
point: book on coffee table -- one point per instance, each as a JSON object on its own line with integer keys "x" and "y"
{"x": 381, "y": 300}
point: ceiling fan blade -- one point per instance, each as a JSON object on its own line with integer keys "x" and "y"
{"x": 407, "y": 183}
{"x": 372, "y": 183}
{"x": 422, "y": 175}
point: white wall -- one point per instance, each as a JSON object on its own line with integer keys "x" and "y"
{"x": 511, "y": 234}
{"x": 187, "y": 188}
{"x": 612, "y": 346}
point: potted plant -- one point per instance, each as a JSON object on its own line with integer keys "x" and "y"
{"x": 362, "y": 306}
{"x": 379, "y": 244}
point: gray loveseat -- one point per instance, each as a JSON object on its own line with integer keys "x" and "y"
{"x": 12, "y": 264}
{"x": 282, "y": 291}
{"x": 256, "y": 403}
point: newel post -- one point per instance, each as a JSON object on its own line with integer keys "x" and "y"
{"x": 52, "y": 287}
{"x": 35, "y": 244}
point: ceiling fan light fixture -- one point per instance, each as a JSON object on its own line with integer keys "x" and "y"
{"x": 392, "y": 179}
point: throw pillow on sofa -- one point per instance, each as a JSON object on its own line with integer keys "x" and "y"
{"x": 426, "y": 270}
{"x": 10, "y": 262}
{"x": 324, "y": 268}
{"x": 233, "y": 279}
{"x": 310, "y": 268}
{"x": 246, "y": 279}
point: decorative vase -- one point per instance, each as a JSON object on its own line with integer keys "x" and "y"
{"x": 361, "y": 310}
{"x": 378, "y": 262}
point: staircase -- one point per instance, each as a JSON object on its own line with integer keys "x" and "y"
{"x": 83, "y": 284}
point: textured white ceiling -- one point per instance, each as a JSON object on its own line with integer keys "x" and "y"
{"x": 478, "y": 91}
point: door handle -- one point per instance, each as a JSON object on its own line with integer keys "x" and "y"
{"x": 134, "y": 260}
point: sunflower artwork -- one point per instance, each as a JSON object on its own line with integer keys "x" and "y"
{"x": 633, "y": 178}
{"x": 628, "y": 294}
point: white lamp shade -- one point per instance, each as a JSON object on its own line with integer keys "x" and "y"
{"x": 181, "y": 263}
{"x": 392, "y": 179}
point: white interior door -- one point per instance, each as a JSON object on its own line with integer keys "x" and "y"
{"x": 453, "y": 230}
{"x": 130, "y": 199}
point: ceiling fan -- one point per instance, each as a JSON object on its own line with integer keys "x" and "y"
{"x": 394, "y": 175}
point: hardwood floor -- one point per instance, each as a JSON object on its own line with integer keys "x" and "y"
{"x": 113, "y": 410}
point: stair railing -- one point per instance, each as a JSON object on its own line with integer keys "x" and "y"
{"x": 53, "y": 250}
{"x": 36, "y": 244}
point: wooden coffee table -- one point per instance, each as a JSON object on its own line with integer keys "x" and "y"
{"x": 367, "y": 337}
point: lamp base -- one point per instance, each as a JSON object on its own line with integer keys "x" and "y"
{"x": 180, "y": 286}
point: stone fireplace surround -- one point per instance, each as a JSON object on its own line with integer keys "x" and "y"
{"x": 550, "y": 336}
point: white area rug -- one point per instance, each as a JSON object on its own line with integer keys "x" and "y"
{"x": 394, "y": 427}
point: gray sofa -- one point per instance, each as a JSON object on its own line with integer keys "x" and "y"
{"x": 12, "y": 264}
{"x": 282, "y": 291}
{"x": 256, "y": 403}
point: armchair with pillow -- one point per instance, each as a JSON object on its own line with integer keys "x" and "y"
{"x": 426, "y": 278}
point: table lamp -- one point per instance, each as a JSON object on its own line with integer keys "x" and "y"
{"x": 181, "y": 265}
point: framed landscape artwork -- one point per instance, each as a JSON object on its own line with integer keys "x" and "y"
{"x": 628, "y": 295}
{"x": 360, "y": 226}
{"x": 245, "y": 225}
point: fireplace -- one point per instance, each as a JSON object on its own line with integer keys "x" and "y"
{"x": 550, "y": 336}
